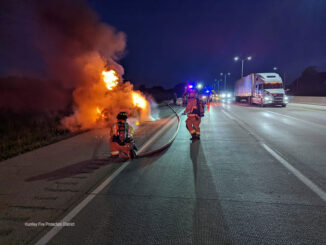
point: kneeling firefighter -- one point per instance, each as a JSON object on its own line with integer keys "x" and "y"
{"x": 195, "y": 111}
{"x": 122, "y": 141}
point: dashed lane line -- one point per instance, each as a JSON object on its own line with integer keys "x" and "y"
{"x": 295, "y": 118}
{"x": 311, "y": 185}
{"x": 296, "y": 172}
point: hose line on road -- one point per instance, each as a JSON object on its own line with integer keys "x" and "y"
{"x": 145, "y": 154}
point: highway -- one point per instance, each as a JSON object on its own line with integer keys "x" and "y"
{"x": 257, "y": 176}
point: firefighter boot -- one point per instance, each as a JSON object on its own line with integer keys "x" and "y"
{"x": 132, "y": 154}
{"x": 193, "y": 137}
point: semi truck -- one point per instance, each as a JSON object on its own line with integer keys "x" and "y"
{"x": 262, "y": 89}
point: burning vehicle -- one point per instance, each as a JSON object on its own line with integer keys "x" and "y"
{"x": 104, "y": 99}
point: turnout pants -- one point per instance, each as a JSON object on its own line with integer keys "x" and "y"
{"x": 123, "y": 150}
{"x": 192, "y": 124}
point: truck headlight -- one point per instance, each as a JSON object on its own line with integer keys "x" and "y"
{"x": 223, "y": 95}
{"x": 267, "y": 98}
{"x": 228, "y": 95}
{"x": 286, "y": 98}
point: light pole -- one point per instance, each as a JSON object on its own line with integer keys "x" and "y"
{"x": 242, "y": 62}
{"x": 218, "y": 85}
{"x": 217, "y": 81}
{"x": 225, "y": 74}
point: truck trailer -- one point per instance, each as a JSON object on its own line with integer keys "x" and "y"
{"x": 261, "y": 89}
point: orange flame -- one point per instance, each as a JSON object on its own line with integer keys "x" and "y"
{"x": 101, "y": 100}
{"x": 100, "y": 113}
{"x": 110, "y": 79}
{"x": 139, "y": 100}
{"x": 98, "y": 110}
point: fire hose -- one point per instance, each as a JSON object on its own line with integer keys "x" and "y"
{"x": 145, "y": 154}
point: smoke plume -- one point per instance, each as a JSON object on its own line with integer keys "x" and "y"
{"x": 74, "y": 47}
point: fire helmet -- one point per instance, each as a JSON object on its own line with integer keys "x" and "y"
{"x": 122, "y": 116}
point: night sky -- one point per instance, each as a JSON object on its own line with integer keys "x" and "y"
{"x": 177, "y": 40}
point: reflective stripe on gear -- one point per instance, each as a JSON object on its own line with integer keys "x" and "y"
{"x": 128, "y": 130}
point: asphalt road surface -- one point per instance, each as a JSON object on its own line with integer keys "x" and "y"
{"x": 257, "y": 176}
{"x": 43, "y": 185}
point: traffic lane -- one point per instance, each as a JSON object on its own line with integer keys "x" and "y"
{"x": 219, "y": 190}
{"x": 309, "y": 106}
{"x": 312, "y": 114}
{"x": 300, "y": 142}
{"x": 308, "y": 115}
{"x": 42, "y": 184}
{"x": 39, "y": 186}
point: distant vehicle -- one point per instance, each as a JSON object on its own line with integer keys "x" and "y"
{"x": 204, "y": 98}
{"x": 262, "y": 89}
{"x": 215, "y": 97}
{"x": 226, "y": 96}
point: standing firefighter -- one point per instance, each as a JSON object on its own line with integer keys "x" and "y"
{"x": 122, "y": 141}
{"x": 194, "y": 111}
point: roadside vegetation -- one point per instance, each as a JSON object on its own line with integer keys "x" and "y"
{"x": 20, "y": 133}
{"x": 310, "y": 83}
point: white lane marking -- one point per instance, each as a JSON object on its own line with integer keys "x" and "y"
{"x": 311, "y": 185}
{"x": 297, "y": 173}
{"x": 298, "y": 119}
{"x": 55, "y": 230}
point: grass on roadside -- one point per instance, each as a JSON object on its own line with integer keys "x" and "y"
{"x": 20, "y": 133}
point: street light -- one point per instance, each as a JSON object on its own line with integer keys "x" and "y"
{"x": 199, "y": 86}
{"x": 274, "y": 68}
{"x": 242, "y": 62}
{"x": 225, "y": 74}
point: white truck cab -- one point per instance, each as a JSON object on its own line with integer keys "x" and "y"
{"x": 262, "y": 89}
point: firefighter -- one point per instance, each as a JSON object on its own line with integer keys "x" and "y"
{"x": 122, "y": 141}
{"x": 195, "y": 111}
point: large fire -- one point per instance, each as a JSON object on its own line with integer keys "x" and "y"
{"x": 110, "y": 78}
{"x": 100, "y": 100}
{"x": 139, "y": 100}
{"x": 118, "y": 97}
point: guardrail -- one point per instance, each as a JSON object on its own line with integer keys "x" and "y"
{"x": 311, "y": 100}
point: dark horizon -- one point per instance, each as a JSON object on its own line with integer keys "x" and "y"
{"x": 178, "y": 41}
